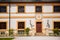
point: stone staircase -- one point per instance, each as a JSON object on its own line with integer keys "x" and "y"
{"x": 40, "y": 34}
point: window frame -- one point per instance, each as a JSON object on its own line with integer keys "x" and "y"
{"x": 53, "y": 8}
{"x": 41, "y": 8}
{"x": 21, "y": 31}
{"x": 6, "y": 8}
{"x": 21, "y": 25}
{"x": 6, "y": 26}
{"x": 24, "y": 25}
{"x": 53, "y": 24}
{"x": 58, "y": 28}
{"x": 18, "y": 9}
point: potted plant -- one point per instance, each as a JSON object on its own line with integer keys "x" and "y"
{"x": 27, "y": 31}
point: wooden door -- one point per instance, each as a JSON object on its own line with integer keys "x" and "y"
{"x": 38, "y": 27}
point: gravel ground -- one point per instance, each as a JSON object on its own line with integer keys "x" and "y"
{"x": 37, "y": 38}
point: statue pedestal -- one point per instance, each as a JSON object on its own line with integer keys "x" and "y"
{"x": 32, "y": 32}
{"x": 48, "y": 30}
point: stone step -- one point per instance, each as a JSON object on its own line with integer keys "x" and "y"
{"x": 40, "y": 34}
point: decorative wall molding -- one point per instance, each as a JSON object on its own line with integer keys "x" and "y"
{"x": 39, "y": 16}
{"x": 29, "y": 17}
{"x": 51, "y": 16}
{"x": 17, "y": 17}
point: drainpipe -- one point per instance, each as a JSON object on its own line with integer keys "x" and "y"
{"x": 9, "y": 17}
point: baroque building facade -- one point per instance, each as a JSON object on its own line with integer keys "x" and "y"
{"x": 41, "y": 18}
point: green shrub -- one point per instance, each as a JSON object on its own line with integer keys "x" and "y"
{"x": 11, "y": 32}
{"x": 6, "y": 38}
{"x": 27, "y": 31}
{"x": 56, "y": 32}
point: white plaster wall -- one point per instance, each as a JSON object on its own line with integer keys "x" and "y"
{"x": 47, "y": 8}
{"x": 32, "y": 22}
{"x": 22, "y": 14}
{"x": 13, "y": 22}
{"x": 55, "y": 14}
{"x": 51, "y": 20}
{"x": 52, "y": 14}
{"x": 45, "y": 23}
{"x": 4, "y": 14}
{"x": 13, "y": 8}
{"x": 8, "y": 8}
{"x": 29, "y": 8}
